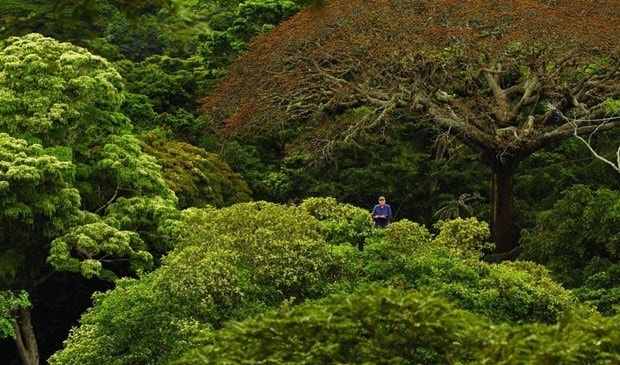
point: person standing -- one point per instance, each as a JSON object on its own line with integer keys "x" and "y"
{"x": 381, "y": 213}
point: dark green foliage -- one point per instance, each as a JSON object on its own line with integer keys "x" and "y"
{"x": 546, "y": 174}
{"x": 248, "y": 160}
{"x": 133, "y": 42}
{"x": 358, "y": 174}
{"x": 60, "y": 18}
{"x": 198, "y": 178}
{"x": 163, "y": 93}
{"x": 76, "y": 21}
{"x": 166, "y": 81}
{"x": 397, "y": 166}
{"x": 579, "y": 241}
{"x": 233, "y": 30}
{"x": 602, "y": 290}
{"x": 373, "y": 326}
{"x": 139, "y": 109}
{"x": 386, "y": 326}
{"x": 578, "y": 237}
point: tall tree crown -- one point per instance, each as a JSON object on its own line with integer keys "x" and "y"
{"x": 496, "y": 73}
{"x": 57, "y": 93}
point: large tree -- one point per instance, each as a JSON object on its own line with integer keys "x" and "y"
{"x": 37, "y": 202}
{"x": 77, "y": 193}
{"x": 507, "y": 78}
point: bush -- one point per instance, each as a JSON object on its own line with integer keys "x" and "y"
{"x": 377, "y": 325}
{"x": 464, "y": 236}
{"x": 602, "y": 290}
{"x": 227, "y": 264}
{"x": 341, "y": 223}
{"x": 406, "y": 256}
{"x": 578, "y": 237}
{"x": 374, "y": 326}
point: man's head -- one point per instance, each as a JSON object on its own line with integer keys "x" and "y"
{"x": 382, "y": 200}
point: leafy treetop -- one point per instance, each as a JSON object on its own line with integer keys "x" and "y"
{"x": 57, "y": 93}
{"x": 473, "y": 67}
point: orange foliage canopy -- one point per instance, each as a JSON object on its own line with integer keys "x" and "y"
{"x": 474, "y": 67}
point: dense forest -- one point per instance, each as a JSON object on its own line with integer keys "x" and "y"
{"x": 191, "y": 181}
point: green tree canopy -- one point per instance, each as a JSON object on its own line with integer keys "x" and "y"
{"x": 37, "y": 203}
{"x": 57, "y": 93}
{"x": 388, "y": 326}
{"x": 237, "y": 262}
{"x": 227, "y": 264}
{"x": 70, "y": 20}
{"x": 579, "y": 241}
{"x": 198, "y": 177}
{"x": 79, "y": 192}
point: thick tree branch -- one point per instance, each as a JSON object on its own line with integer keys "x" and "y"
{"x": 567, "y": 130}
{"x": 531, "y": 90}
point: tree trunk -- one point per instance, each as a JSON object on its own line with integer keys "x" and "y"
{"x": 25, "y": 339}
{"x": 503, "y": 231}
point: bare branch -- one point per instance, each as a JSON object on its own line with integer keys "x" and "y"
{"x": 112, "y": 199}
{"x": 616, "y": 165}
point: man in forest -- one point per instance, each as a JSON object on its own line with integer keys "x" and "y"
{"x": 382, "y": 213}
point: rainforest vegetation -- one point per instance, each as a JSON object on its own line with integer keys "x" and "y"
{"x": 190, "y": 182}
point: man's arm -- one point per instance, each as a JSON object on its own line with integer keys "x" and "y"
{"x": 374, "y": 213}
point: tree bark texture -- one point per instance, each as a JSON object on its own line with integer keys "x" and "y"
{"x": 25, "y": 339}
{"x": 503, "y": 230}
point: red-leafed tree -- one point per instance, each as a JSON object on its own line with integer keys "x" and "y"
{"x": 507, "y": 78}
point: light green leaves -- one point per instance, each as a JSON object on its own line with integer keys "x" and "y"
{"x": 227, "y": 264}
{"x": 95, "y": 244}
{"x": 373, "y": 326}
{"x": 126, "y": 166}
{"x": 85, "y": 161}
{"x": 10, "y": 302}
{"x": 235, "y": 263}
{"x": 57, "y": 93}
{"x": 33, "y": 183}
{"x": 386, "y": 326}
{"x": 464, "y": 236}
